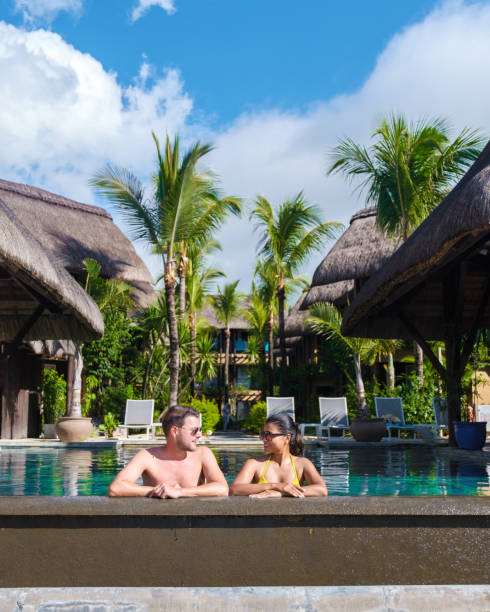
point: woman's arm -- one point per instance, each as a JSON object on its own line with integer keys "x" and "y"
{"x": 316, "y": 485}
{"x": 243, "y": 485}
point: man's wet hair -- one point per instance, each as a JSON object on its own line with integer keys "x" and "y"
{"x": 176, "y": 416}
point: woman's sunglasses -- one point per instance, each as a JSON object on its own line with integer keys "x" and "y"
{"x": 268, "y": 435}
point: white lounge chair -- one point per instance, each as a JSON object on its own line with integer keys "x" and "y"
{"x": 280, "y": 404}
{"x": 333, "y": 415}
{"x": 393, "y": 406}
{"x": 440, "y": 415}
{"x": 139, "y": 415}
{"x": 483, "y": 414}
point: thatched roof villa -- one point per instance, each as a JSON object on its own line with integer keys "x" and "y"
{"x": 358, "y": 253}
{"x": 72, "y": 231}
{"x": 436, "y": 285}
{"x": 44, "y": 239}
{"x": 39, "y": 300}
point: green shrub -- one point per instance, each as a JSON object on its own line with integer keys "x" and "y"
{"x": 209, "y": 411}
{"x": 110, "y": 425}
{"x": 54, "y": 396}
{"x": 256, "y": 418}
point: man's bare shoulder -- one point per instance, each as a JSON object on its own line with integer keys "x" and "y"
{"x": 204, "y": 452}
{"x": 147, "y": 454}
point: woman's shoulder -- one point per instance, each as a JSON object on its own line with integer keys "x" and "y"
{"x": 258, "y": 459}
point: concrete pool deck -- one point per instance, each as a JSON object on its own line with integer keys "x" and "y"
{"x": 420, "y": 598}
{"x": 219, "y": 439}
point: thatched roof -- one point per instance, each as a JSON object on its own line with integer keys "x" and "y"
{"x": 337, "y": 293}
{"x": 458, "y": 230}
{"x": 358, "y": 253}
{"x": 294, "y": 325}
{"x": 30, "y": 277}
{"x": 72, "y": 232}
{"x": 208, "y": 313}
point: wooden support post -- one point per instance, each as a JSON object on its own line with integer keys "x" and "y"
{"x": 453, "y": 317}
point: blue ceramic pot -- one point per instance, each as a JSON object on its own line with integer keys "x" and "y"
{"x": 470, "y": 436}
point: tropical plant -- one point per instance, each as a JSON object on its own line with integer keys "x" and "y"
{"x": 184, "y": 207}
{"x": 408, "y": 170}
{"x": 110, "y": 425}
{"x": 228, "y": 305}
{"x": 256, "y": 417}
{"x": 199, "y": 279}
{"x": 265, "y": 289}
{"x": 406, "y": 173}
{"x": 257, "y": 316}
{"x": 286, "y": 240}
{"x": 53, "y": 396}
{"x": 325, "y": 320}
{"x": 90, "y": 395}
{"x": 209, "y": 413}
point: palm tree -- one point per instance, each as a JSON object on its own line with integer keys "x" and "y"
{"x": 265, "y": 289}
{"x": 325, "y": 320}
{"x": 287, "y": 239}
{"x": 183, "y": 207}
{"x": 257, "y": 315}
{"x": 406, "y": 173}
{"x": 199, "y": 280}
{"x": 228, "y": 305}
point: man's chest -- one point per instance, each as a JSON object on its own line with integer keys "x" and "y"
{"x": 184, "y": 473}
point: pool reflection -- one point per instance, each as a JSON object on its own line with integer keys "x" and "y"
{"x": 354, "y": 471}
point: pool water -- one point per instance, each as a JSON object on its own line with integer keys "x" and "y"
{"x": 355, "y": 471}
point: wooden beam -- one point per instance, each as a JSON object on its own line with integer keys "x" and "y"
{"x": 417, "y": 336}
{"x": 19, "y": 337}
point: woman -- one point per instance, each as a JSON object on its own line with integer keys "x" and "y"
{"x": 283, "y": 469}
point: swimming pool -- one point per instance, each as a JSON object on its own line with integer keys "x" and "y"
{"x": 411, "y": 470}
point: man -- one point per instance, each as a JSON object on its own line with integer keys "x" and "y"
{"x": 173, "y": 470}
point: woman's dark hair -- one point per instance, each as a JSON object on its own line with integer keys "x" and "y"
{"x": 286, "y": 425}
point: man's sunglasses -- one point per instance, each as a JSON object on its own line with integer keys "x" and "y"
{"x": 193, "y": 431}
{"x": 268, "y": 435}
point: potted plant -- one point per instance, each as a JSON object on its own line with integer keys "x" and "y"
{"x": 110, "y": 425}
{"x": 470, "y": 434}
{"x": 53, "y": 401}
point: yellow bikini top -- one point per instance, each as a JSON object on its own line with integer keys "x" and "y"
{"x": 263, "y": 480}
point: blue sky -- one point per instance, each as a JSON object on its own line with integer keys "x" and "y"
{"x": 272, "y": 84}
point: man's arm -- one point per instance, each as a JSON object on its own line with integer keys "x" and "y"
{"x": 216, "y": 485}
{"x": 124, "y": 484}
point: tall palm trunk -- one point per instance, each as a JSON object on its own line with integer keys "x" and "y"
{"x": 282, "y": 339}
{"x": 192, "y": 325}
{"x": 419, "y": 363}
{"x": 271, "y": 355}
{"x": 227, "y": 363}
{"x": 390, "y": 372}
{"x": 361, "y": 397}
{"x": 169, "y": 280}
{"x": 182, "y": 276}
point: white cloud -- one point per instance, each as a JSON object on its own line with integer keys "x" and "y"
{"x": 144, "y": 5}
{"x": 437, "y": 67}
{"x": 63, "y": 116}
{"x": 46, "y": 10}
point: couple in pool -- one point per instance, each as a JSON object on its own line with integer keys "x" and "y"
{"x": 181, "y": 468}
